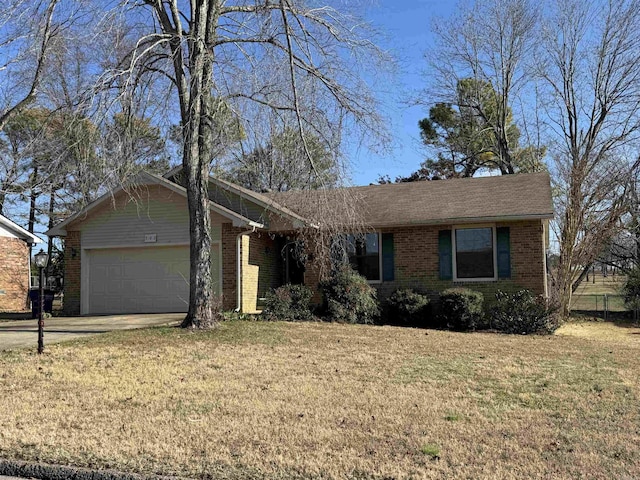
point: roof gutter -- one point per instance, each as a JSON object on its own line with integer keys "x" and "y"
{"x": 239, "y": 266}
{"x": 464, "y": 220}
{"x": 29, "y": 237}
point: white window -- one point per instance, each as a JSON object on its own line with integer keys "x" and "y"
{"x": 363, "y": 252}
{"x": 474, "y": 253}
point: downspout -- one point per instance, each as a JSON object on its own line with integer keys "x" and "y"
{"x": 28, "y": 300}
{"x": 239, "y": 267}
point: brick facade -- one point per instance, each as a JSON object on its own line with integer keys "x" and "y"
{"x": 416, "y": 265}
{"x": 261, "y": 267}
{"x": 71, "y": 302}
{"x": 264, "y": 254}
{"x": 416, "y": 262}
{"x": 14, "y": 274}
{"x": 228, "y": 237}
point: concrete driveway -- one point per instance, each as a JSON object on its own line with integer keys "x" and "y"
{"x": 24, "y": 333}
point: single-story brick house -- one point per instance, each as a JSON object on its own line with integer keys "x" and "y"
{"x": 128, "y": 251}
{"x": 15, "y": 265}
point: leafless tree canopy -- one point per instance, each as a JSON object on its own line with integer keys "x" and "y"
{"x": 231, "y": 64}
{"x": 487, "y": 44}
{"x": 591, "y": 76}
{"x": 569, "y": 69}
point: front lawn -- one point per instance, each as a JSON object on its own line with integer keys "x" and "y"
{"x": 286, "y": 400}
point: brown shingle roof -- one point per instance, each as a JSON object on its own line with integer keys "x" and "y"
{"x": 507, "y": 197}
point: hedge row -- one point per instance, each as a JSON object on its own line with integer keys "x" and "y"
{"x": 349, "y": 298}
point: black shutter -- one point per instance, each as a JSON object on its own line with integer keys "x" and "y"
{"x": 445, "y": 254}
{"x": 504, "y": 252}
{"x": 387, "y": 257}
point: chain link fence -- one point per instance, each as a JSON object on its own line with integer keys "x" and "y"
{"x": 605, "y": 306}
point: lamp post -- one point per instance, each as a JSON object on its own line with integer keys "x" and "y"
{"x": 41, "y": 259}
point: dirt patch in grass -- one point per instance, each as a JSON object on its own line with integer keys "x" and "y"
{"x": 281, "y": 400}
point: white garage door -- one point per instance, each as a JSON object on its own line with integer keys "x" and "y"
{"x": 138, "y": 280}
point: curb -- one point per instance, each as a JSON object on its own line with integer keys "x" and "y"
{"x": 44, "y": 471}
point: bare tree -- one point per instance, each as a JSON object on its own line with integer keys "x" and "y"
{"x": 276, "y": 166}
{"x": 486, "y": 46}
{"x": 27, "y": 30}
{"x": 591, "y": 74}
{"x": 247, "y": 56}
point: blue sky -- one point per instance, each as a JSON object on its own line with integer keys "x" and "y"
{"x": 406, "y": 29}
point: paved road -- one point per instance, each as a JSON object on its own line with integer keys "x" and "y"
{"x": 24, "y": 333}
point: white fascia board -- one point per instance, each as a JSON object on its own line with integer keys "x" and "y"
{"x": 21, "y": 232}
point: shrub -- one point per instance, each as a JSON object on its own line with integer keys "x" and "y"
{"x": 407, "y": 307}
{"x": 461, "y": 308}
{"x": 289, "y": 302}
{"x": 523, "y": 313}
{"x": 631, "y": 289}
{"x": 349, "y": 298}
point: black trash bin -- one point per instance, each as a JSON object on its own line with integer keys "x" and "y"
{"x": 34, "y": 296}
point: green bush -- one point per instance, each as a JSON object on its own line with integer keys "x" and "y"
{"x": 349, "y": 298}
{"x": 631, "y": 289}
{"x": 522, "y": 313}
{"x": 461, "y": 308}
{"x": 289, "y": 302}
{"x": 406, "y": 307}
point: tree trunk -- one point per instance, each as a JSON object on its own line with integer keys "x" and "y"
{"x": 584, "y": 274}
{"x": 569, "y": 234}
{"x": 200, "y": 313}
{"x": 52, "y": 206}
{"x": 196, "y": 110}
{"x": 33, "y": 197}
{"x": 564, "y": 285}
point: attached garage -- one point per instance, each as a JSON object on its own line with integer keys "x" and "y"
{"x": 128, "y": 252}
{"x": 137, "y": 280}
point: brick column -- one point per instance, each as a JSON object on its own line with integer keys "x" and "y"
{"x": 72, "y": 280}
{"x": 229, "y": 266}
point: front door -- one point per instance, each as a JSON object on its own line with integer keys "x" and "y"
{"x": 294, "y": 263}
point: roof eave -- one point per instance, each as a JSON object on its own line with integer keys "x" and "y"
{"x": 237, "y": 219}
{"x": 269, "y": 204}
{"x": 25, "y": 235}
{"x": 467, "y": 220}
{"x": 172, "y": 172}
{"x": 299, "y": 221}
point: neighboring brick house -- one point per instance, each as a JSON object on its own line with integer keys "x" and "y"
{"x": 15, "y": 268}
{"x": 129, "y": 251}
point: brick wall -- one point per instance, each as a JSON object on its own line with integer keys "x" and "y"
{"x": 261, "y": 269}
{"x": 14, "y": 274}
{"x": 416, "y": 262}
{"x": 228, "y": 237}
{"x": 71, "y": 302}
{"x": 265, "y": 254}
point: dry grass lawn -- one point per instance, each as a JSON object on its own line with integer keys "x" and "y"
{"x": 611, "y": 285}
{"x": 278, "y": 400}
